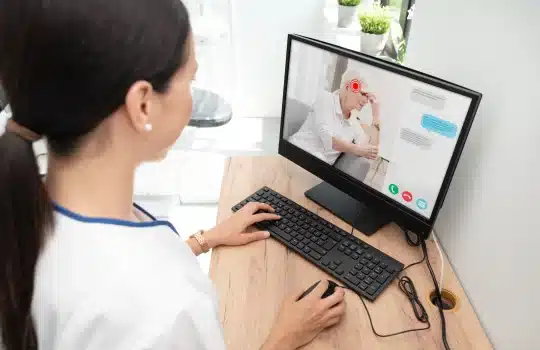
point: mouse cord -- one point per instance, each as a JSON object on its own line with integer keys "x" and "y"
{"x": 407, "y": 287}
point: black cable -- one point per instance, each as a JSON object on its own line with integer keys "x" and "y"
{"x": 414, "y": 243}
{"x": 407, "y": 287}
{"x": 439, "y": 298}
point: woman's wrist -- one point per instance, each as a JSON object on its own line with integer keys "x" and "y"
{"x": 212, "y": 237}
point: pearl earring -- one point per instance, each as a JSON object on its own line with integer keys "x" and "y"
{"x": 148, "y": 127}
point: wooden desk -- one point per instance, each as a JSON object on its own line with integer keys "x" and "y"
{"x": 252, "y": 280}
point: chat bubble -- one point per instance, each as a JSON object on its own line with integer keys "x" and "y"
{"x": 439, "y": 126}
{"x": 415, "y": 138}
{"x": 428, "y": 98}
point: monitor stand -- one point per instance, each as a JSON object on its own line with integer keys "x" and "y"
{"x": 365, "y": 219}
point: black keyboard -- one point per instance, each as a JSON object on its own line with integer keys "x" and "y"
{"x": 359, "y": 266}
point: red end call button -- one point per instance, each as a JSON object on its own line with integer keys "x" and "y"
{"x": 407, "y": 196}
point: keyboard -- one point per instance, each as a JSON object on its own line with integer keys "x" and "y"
{"x": 361, "y": 267}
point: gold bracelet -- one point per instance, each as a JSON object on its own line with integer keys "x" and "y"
{"x": 198, "y": 236}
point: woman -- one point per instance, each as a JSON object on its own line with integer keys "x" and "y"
{"x": 107, "y": 84}
{"x": 330, "y": 131}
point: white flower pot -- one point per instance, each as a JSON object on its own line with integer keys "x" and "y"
{"x": 346, "y": 15}
{"x": 373, "y": 44}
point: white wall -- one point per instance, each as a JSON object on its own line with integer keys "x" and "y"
{"x": 259, "y": 34}
{"x": 489, "y": 223}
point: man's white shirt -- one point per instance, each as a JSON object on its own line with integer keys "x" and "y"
{"x": 323, "y": 123}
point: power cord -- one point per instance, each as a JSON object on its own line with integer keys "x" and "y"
{"x": 439, "y": 298}
{"x": 407, "y": 287}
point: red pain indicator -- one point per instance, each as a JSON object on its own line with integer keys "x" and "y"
{"x": 355, "y": 85}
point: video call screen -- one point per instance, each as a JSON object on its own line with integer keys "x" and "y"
{"x": 393, "y": 133}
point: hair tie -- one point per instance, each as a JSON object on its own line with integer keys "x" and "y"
{"x": 21, "y": 131}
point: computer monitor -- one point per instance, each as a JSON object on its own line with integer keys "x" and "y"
{"x": 385, "y": 139}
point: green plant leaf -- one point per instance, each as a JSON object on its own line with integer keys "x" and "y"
{"x": 376, "y": 20}
{"x": 349, "y": 2}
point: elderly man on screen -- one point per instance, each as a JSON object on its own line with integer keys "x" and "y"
{"x": 330, "y": 130}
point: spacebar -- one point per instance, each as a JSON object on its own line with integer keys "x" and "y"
{"x": 280, "y": 233}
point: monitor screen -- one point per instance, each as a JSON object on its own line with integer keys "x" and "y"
{"x": 389, "y": 131}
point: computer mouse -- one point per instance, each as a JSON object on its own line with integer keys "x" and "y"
{"x": 329, "y": 291}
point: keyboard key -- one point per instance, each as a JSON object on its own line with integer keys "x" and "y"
{"x": 282, "y": 234}
{"x": 314, "y": 239}
{"x": 361, "y": 276}
{"x": 329, "y": 244}
{"x": 368, "y": 280}
{"x": 301, "y": 245}
{"x": 336, "y": 237}
{"x": 317, "y": 234}
{"x": 343, "y": 233}
{"x": 315, "y": 255}
{"x": 371, "y": 265}
{"x": 333, "y": 266}
{"x": 319, "y": 227}
{"x": 353, "y": 272}
{"x": 364, "y": 261}
{"x": 260, "y": 192}
{"x": 374, "y": 275}
{"x": 282, "y": 226}
{"x": 320, "y": 242}
{"x": 371, "y": 290}
{"x": 306, "y": 250}
{"x": 363, "y": 286}
{"x": 306, "y": 241}
{"x": 369, "y": 256}
{"x": 339, "y": 271}
{"x": 352, "y": 279}
{"x": 288, "y": 230}
{"x": 348, "y": 251}
{"x": 383, "y": 277}
{"x": 337, "y": 262}
{"x": 295, "y": 220}
{"x": 376, "y": 260}
{"x": 313, "y": 224}
{"x": 266, "y": 189}
{"x": 391, "y": 269}
{"x": 346, "y": 243}
{"x": 324, "y": 237}
{"x": 326, "y": 262}
{"x": 317, "y": 248}
{"x": 359, "y": 266}
{"x": 365, "y": 246}
{"x": 354, "y": 256}
{"x": 294, "y": 242}
{"x": 366, "y": 271}
{"x": 375, "y": 285}
{"x": 309, "y": 235}
{"x": 359, "y": 251}
{"x": 341, "y": 248}
{"x": 378, "y": 270}
{"x": 353, "y": 246}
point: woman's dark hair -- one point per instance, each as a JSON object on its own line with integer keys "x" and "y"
{"x": 66, "y": 65}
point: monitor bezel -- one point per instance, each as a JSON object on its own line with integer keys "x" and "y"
{"x": 404, "y": 216}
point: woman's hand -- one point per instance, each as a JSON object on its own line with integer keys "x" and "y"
{"x": 299, "y": 322}
{"x": 368, "y": 151}
{"x": 232, "y": 232}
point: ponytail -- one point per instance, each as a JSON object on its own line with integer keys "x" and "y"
{"x": 25, "y": 216}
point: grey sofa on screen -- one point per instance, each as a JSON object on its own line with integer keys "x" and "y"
{"x": 296, "y": 113}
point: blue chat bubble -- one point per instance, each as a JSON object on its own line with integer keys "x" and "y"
{"x": 438, "y": 125}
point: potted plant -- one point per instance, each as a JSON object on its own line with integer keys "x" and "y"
{"x": 375, "y": 24}
{"x": 346, "y": 12}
